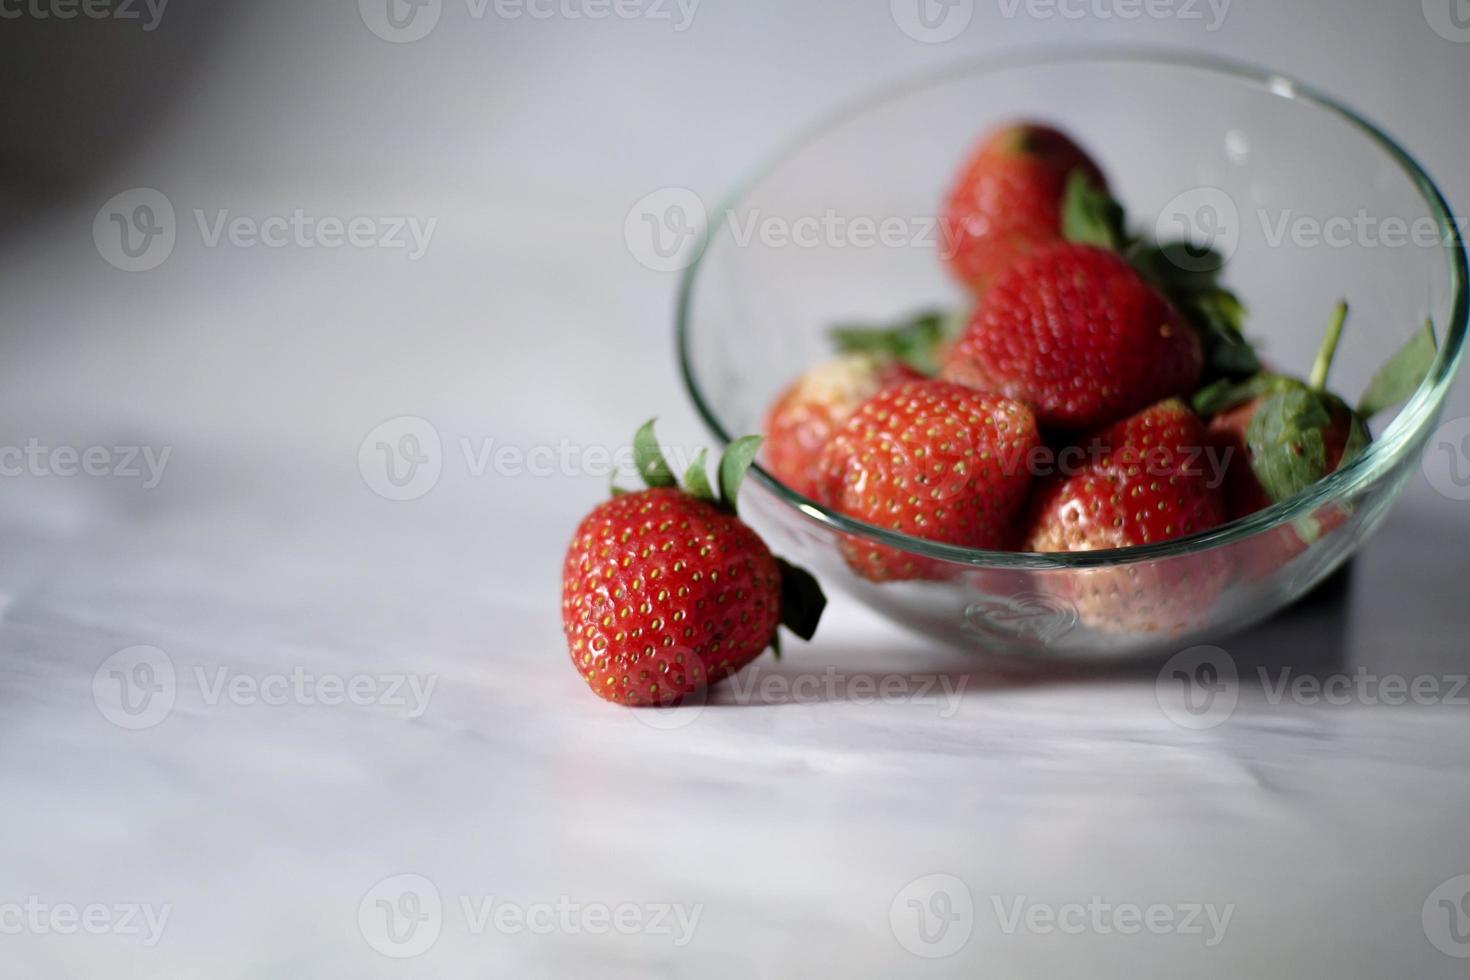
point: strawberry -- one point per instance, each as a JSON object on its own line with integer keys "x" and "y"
{"x": 1286, "y": 434}
{"x": 1007, "y": 201}
{"x": 1142, "y": 482}
{"x": 1283, "y": 434}
{"x": 1079, "y": 336}
{"x": 665, "y": 590}
{"x": 802, "y": 421}
{"x": 933, "y": 460}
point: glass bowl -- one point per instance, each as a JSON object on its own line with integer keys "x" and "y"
{"x": 1309, "y": 202}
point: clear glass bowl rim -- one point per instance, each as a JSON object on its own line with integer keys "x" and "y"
{"x": 1382, "y": 454}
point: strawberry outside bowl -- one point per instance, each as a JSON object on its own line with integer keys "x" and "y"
{"x": 1308, "y": 202}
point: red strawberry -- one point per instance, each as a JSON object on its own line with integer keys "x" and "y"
{"x": 933, "y": 460}
{"x": 1143, "y": 481}
{"x": 665, "y": 590}
{"x": 1008, "y": 200}
{"x": 1079, "y": 336}
{"x": 802, "y": 421}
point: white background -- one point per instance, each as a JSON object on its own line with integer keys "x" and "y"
{"x": 796, "y": 823}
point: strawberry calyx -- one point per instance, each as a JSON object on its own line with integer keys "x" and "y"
{"x": 802, "y": 599}
{"x": 916, "y": 340}
{"x": 1299, "y": 431}
{"x": 1187, "y": 274}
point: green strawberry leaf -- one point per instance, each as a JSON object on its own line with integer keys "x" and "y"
{"x": 915, "y": 341}
{"x": 1090, "y": 216}
{"x": 696, "y": 479}
{"x": 733, "y": 466}
{"x": 802, "y": 600}
{"x": 649, "y": 459}
{"x": 1219, "y": 317}
{"x": 1227, "y": 393}
{"x": 1189, "y": 276}
{"x": 1287, "y": 438}
{"x": 1177, "y": 266}
{"x": 1403, "y": 373}
{"x": 1287, "y": 449}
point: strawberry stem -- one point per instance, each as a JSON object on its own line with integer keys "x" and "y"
{"x": 1317, "y": 380}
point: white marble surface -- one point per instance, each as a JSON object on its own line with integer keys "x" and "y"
{"x": 782, "y": 829}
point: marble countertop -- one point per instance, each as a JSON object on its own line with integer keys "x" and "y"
{"x": 259, "y": 720}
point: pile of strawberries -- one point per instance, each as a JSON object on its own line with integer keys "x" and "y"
{"x": 1080, "y": 406}
{"x": 1100, "y": 395}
